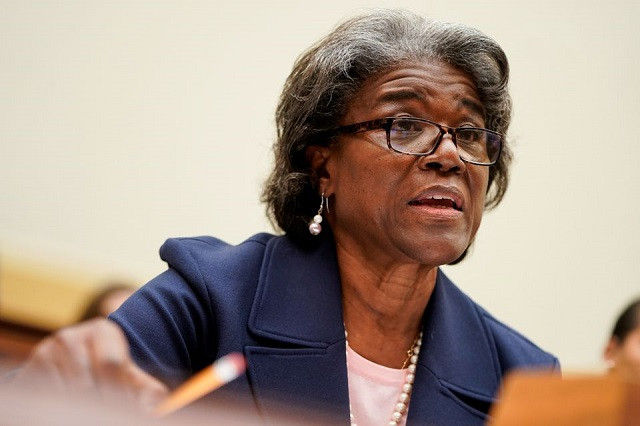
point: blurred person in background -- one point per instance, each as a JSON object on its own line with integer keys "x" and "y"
{"x": 622, "y": 353}
{"x": 107, "y": 300}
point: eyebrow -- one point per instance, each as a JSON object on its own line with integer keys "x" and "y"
{"x": 474, "y": 106}
{"x": 400, "y": 95}
{"x": 410, "y": 95}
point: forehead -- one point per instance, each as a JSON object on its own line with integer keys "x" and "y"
{"x": 425, "y": 83}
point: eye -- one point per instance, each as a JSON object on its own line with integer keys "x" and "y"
{"x": 412, "y": 136}
{"x": 478, "y": 145}
{"x": 471, "y": 136}
{"x": 406, "y": 128}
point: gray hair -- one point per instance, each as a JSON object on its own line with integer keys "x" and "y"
{"x": 326, "y": 77}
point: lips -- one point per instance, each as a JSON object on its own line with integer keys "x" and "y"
{"x": 439, "y": 197}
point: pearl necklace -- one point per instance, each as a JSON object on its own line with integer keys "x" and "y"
{"x": 407, "y": 387}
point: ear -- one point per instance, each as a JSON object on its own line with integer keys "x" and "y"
{"x": 611, "y": 352}
{"x": 318, "y": 158}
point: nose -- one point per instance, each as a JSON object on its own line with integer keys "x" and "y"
{"x": 445, "y": 158}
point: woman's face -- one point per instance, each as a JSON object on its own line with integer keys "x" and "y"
{"x": 625, "y": 356}
{"x": 398, "y": 207}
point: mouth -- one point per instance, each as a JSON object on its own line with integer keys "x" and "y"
{"x": 438, "y": 200}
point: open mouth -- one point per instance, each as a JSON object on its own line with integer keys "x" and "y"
{"x": 436, "y": 201}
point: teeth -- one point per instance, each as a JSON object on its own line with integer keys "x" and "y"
{"x": 440, "y": 197}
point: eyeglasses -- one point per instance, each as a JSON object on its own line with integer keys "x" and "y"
{"x": 417, "y": 136}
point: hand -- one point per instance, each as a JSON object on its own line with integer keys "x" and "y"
{"x": 91, "y": 358}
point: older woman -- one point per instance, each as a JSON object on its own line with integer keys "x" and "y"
{"x": 391, "y": 144}
{"x": 622, "y": 352}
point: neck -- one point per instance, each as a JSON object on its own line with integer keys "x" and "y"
{"x": 383, "y": 305}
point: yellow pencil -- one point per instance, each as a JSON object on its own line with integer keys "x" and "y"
{"x": 207, "y": 380}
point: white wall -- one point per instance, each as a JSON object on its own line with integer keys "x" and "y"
{"x": 125, "y": 122}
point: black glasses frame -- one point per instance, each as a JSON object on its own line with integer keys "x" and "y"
{"x": 387, "y": 122}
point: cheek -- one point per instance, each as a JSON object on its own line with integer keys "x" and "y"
{"x": 366, "y": 184}
{"x": 629, "y": 355}
{"x": 632, "y": 351}
{"x": 479, "y": 182}
{"x": 367, "y": 170}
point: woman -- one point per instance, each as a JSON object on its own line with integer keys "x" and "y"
{"x": 622, "y": 353}
{"x": 390, "y": 146}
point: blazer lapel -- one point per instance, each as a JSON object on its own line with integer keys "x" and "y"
{"x": 458, "y": 371}
{"x": 298, "y": 365}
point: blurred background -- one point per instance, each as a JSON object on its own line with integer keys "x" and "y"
{"x": 123, "y": 123}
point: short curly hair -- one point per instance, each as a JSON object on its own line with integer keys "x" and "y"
{"x": 326, "y": 77}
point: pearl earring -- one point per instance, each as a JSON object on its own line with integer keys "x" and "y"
{"x": 314, "y": 226}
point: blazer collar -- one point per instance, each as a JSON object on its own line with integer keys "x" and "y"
{"x": 457, "y": 346}
{"x": 299, "y": 369}
{"x": 298, "y": 308}
{"x": 299, "y": 298}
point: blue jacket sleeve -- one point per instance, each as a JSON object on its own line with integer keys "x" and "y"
{"x": 169, "y": 322}
{"x": 197, "y": 310}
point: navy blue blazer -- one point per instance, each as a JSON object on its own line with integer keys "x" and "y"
{"x": 281, "y": 306}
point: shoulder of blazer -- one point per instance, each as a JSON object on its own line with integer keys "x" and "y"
{"x": 514, "y": 349}
{"x": 199, "y": 258}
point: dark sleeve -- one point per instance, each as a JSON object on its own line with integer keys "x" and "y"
{"x": 169, "y": 322}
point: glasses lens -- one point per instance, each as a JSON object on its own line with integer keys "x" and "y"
{"x": 478, "y": 145}
{"x": 411, "y": 136}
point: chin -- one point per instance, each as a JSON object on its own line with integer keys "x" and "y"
{"x": 439, "y": 252}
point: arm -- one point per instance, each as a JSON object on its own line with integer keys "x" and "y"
{"x": 150, "y": 340}
{"x": 169, "y": 326}
{"x": 167, "y": 330}
{"x": 90, "y": 357}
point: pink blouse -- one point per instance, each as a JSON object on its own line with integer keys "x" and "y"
{"x": 373, "y": 390}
